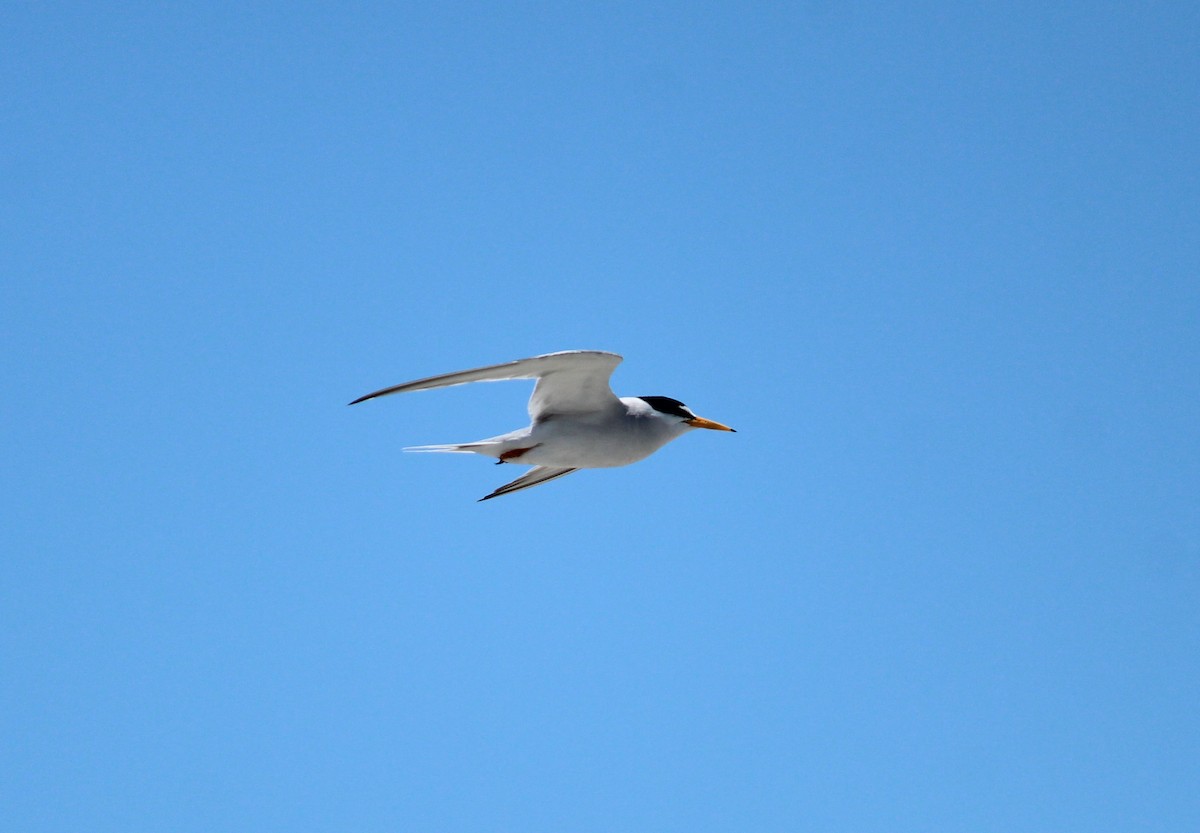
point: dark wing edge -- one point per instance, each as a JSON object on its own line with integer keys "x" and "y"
{"x": 533, "y": 477}
{"x": 531, "y": 368}
{"x": 444, "y": 380}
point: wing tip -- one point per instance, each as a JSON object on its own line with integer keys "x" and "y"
{"x": 528, "y": 480}
{"x": 377, "y": 393}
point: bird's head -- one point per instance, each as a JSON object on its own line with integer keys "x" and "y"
{"x": 677, "y": 413}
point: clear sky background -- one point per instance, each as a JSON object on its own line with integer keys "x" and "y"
{"x": 938, "y": 264}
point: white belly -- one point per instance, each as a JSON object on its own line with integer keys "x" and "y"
{"x": 564, "y": 441}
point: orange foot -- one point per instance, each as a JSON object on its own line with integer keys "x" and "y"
{"x": 514, "y": 453}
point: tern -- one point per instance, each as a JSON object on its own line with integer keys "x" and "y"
{"x": 577, "y": 421}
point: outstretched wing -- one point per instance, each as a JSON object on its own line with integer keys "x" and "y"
{"x": 575, "y": 381}
{"x": 536, "y": 475}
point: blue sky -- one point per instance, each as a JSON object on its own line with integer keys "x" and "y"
{"x": 938, "y": 265}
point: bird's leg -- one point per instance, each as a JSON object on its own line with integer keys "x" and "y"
{"x": 514, "y": 453}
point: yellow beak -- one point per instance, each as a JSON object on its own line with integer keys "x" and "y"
{"x": 701, "y": 422}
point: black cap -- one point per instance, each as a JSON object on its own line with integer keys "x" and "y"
{"x": 667, "y": 405}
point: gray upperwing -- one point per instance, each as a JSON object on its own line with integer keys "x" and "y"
{"x": 580, "y": 379}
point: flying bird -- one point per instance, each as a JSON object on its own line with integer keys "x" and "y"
{"x": 577, "y": 421}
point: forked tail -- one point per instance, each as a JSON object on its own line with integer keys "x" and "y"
{"x": 454, "y": 448}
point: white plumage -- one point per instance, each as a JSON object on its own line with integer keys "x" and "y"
{"x": 577, "y": 421}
